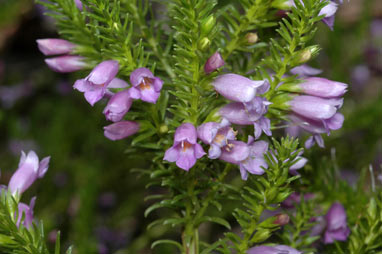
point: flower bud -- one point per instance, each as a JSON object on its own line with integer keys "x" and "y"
{"x": 55, "y": 46}
{"x": 207, "y": 24}
{"x": 65, "y": 64}
{"x": 121, "y": 130}
{"x": 204, "y": 43}
{"x": 305, "y": 55}
{"x": 281, "y": 219}
{"x": 251, "y": 38}
{"x": 213, "y": 63}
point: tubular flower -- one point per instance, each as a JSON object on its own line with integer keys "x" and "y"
{"x": 336, "y": 225}
{"x": 146, "y": 86}
{"x": 28, "y": 213}
{"x": 94, "y": 86}
{"x": 237, "y": 113}
{"x": 185, "y": 150}
{"x": 121, "y": 130}
{"x": 315, "y": 108}
{"x": 118, "y": 105}
{"x": 318, "y": 127}
{"x": 255, "y": 162}
{"x": 329, "y": 11}
{"x": 55, "y": 46}
{"x": 28, "y": 171}
{"x": 237, "y": 88}
{"x": 319, "y": 87}
{"x": 305, "y": 71}
{"x": 217, "y": 136}
{"x": 277, "y": 249}
{"x": 65, "y": 64}
{"x": 213, "y": 63}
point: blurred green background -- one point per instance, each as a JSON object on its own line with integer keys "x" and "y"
{"x": 89, "y": 192}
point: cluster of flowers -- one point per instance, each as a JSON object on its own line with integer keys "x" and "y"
{"x": 100, "y": 81}
{"x": 29, "y": 169}
{"x": 316, "y": 109}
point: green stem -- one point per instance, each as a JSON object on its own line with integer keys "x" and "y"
{"x": 146, "y": 33}
{"x": 211, "y": 194}
{"x": 246, "y": 242}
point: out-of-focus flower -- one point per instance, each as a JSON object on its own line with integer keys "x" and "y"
{"x": 55, "y": 46}
{"x": 65, "y": 64}
{"x": 295, "y": 198}
{"x": 28, "y": 171}
{"x": 118, "y": 105}
{"x": 185, "y": 150}
{"x": 360, "y": 76}
{"x": 78, "y": 4}
{"x": 277, "y": 249}
{"x": 146, "y": 86}
{"x": 213, "y": 63}
{"x": 217, "y": 136}
{"x": 305, "y": 71}
{"x": 237, "y": 88}
{"x": 28, "y": 213}
{"x": 94, "y": 86}
{"x": 281, "y": 219}
{"x": 121, "y": 130}
{"x": 336, "y": 228}
{"x": 9, "y": 95}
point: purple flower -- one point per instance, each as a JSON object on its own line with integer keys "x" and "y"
{"x": 28, "y": 171}
{"x": 237, "y": 88}
{"x": 235, "y": 152}
{"x": 28, "y": 213}
{"x": 55, "y": 46}
{"x": 78, "y": 4}
{"x": 277, "y": 249}
{"x": 65, "y": 64}
{"x": 318, "y": 127}
{"x": 146, "y": 86}
{"x": 94, "y": 86}
{"x": 329, "y": 12}
{"x": 305, "y": 71}
{"x": 323, "y": 88}
{"x": 295, "y": 198}
{"x": 336, "y": 228}
{"x": 121, "y": 130}
{"x": 118, "y": 106}
{"x": 238, "y": 113}
{"x": 213, "y": 63}
{"x": 217, "y": 136}
{"x": 185, "y": 150}
{"x": 255, "y": 162}
{"x": 315, "y": 108}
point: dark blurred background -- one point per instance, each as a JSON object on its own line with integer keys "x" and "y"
{"x": 89, "y": 193}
